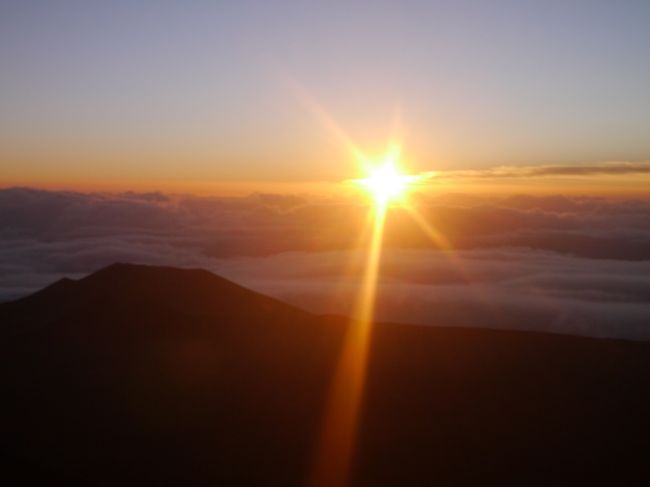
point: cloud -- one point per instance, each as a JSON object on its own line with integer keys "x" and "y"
{"x": 508, "y": 288}
{"x": 566, "y": 264}
{"x": 606, "y": 168}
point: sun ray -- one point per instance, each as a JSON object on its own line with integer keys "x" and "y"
{"x": 445, "y": 245}
{"x": 323, "y": 116}
{"x": 340, "y": 426}
{"x": 438, "y": 239}
{"x": 387, "y": 184}
{"x": 338, "y": 436}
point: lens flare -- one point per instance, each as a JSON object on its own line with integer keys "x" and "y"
{"x": 387, "y": 184}
{"x": 385, "y": 181}
{"x": 336, "y": 450}
{"x": 341, "y": 421}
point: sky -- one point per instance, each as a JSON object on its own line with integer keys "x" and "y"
{"x": 218, "y": 97}
{"x": 504, "y": 148}
{"x": 218, "y": 135}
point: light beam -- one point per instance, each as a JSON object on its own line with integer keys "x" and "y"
{"x": 336, "y": 449}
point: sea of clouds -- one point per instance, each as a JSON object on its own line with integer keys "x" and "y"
{"x": 578, "y": 265}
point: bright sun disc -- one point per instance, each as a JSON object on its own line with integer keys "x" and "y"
{"x": 385, "y": 182}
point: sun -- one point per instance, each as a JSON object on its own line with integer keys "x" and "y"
{"x": 386, "y": 181}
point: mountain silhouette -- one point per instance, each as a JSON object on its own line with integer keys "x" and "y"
{"x": 152, "y": 376}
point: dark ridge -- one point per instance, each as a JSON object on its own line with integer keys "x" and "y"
{"x": 151, "y": 376}
{"x": 57, "y": 288}
{"x": 134, "y": 287}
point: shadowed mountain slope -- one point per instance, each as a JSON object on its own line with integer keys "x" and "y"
{"x": 141, "y": 375}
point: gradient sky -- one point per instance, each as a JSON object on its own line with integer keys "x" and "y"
{"x": 162, "y": 91}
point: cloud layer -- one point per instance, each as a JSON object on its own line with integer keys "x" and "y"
{"x": 504, "y": 288}
{"x": 566, "y": 264}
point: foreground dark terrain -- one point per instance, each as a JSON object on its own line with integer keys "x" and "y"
{"x": 156, "y": 376}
